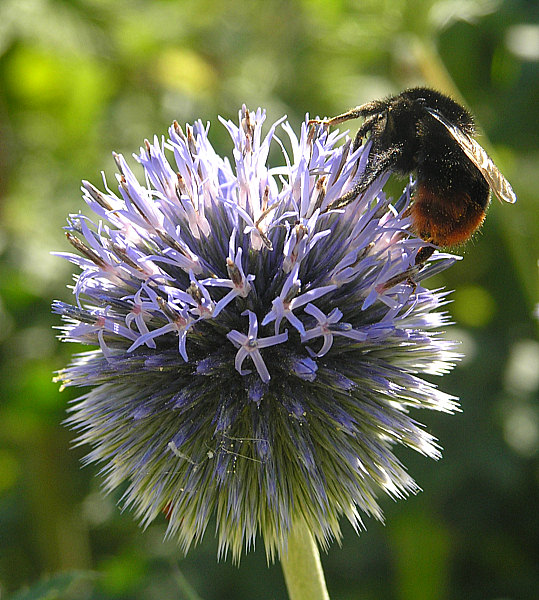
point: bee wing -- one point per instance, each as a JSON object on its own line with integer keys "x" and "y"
{"x": 479, "y": 157}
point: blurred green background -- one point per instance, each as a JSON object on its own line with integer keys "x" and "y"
{"x": 81, "y": 78}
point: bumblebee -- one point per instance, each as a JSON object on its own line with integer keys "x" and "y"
{"x": 425, "y": 132}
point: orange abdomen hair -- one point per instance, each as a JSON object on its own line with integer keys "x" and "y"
{"x": 446, "y": 219}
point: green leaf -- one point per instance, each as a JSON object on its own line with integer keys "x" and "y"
{"x": 60, "y": 586}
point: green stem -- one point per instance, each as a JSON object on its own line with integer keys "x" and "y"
{"x": 302, "y": 567}
{"x": 188, "y": 593}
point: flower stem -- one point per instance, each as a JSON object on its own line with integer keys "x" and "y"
{"x": 188, "y": 593}
{"x": 302, "y": 568}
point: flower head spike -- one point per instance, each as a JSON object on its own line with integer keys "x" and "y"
{"x": 201, "y": 400}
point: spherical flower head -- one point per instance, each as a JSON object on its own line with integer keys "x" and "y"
{"x": 257, "y": 352}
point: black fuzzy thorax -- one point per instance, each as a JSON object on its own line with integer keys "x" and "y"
{"x": 426, "y": 146}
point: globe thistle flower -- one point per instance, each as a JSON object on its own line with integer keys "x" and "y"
{"x": 256, "y": 353}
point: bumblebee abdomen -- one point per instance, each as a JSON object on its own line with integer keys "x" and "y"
{"x": 447, "y": 218}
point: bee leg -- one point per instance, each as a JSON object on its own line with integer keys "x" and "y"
{"x": 363, "y": 130}
{"x": 381, "y": 163}
{"x": 424, "y": 254}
